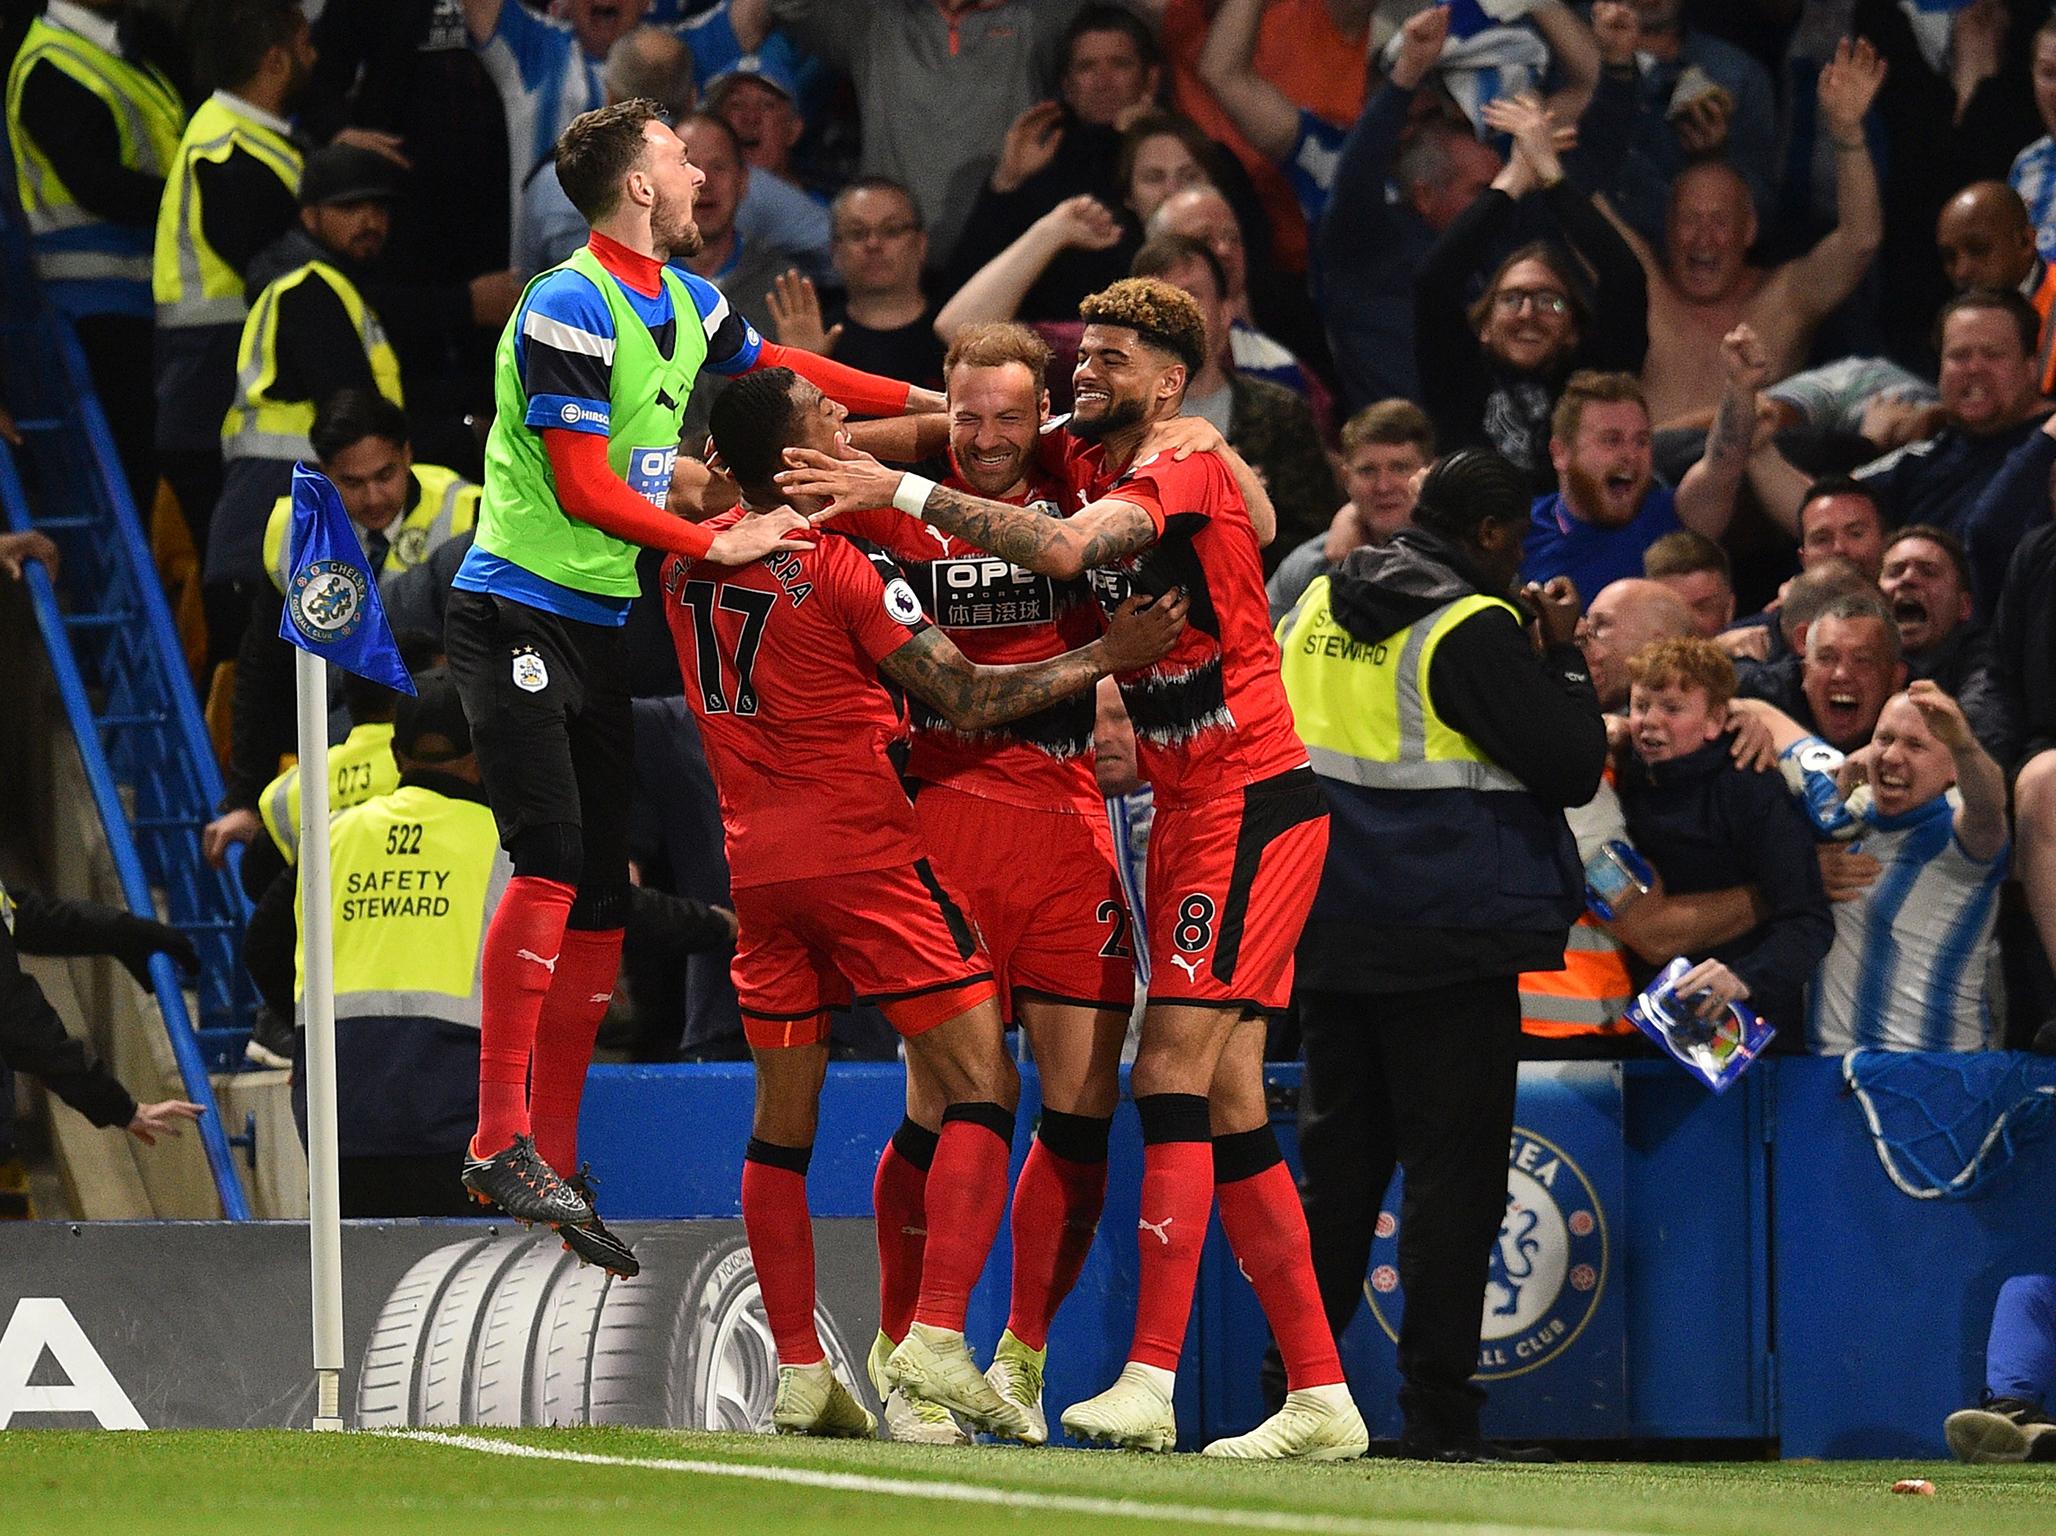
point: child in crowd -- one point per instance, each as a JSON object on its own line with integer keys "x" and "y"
{"x": 1706, "y": 825}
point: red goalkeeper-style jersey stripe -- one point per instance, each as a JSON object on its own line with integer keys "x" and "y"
{"x": 1212, "y": 715}
{"x": 780, "y": 660}
{"x": 998, "y": 615}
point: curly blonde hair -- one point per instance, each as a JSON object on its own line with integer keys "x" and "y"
{"x": 1167, "y": 318}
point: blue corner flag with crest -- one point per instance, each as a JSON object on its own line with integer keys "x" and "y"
{"x": 332, "y": 604}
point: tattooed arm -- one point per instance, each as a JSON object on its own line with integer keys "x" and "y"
{"x": 1706, "y": 496}
{"x": 1063, "y": 547}
{"x": 972, "y": 697}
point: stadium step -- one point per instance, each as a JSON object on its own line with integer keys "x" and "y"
{"x": 121, "y": 675}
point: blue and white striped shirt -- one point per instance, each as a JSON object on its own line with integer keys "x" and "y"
{"x": 545, "y": 80}
{"x": 2034, "y": 177}
{"x": 1907, "y": 969}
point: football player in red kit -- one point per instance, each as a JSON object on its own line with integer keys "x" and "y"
{"x": 1016, "y": 825}
{"x": 835, "y": 895}
{"x": 1234, "y": 857}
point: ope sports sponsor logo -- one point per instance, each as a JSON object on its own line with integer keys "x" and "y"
{"x": 1547, "y": 1269}
{"x": 327, "y": 601}
{"x": 649, "y": 472}
{"x": 986, "y": 592}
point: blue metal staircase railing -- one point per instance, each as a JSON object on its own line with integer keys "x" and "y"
{"x": 121, "y": 673}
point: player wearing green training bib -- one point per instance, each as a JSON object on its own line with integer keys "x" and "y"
{"x": 592, "y": 377}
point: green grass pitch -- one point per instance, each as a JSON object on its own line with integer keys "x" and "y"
{"x": 615, "y": 1482}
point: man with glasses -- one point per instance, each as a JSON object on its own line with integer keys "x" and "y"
{"x": 883, "y": 322}
{"x": 1495, "y": 343}
{"x": 1612, "y": 507}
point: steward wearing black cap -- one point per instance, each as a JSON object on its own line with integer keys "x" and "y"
{"x": 1450, "y": 718}
{"x": 310, "y": 332}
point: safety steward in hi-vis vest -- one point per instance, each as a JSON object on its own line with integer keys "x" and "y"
{"x": 91, "y": 259}
{"x": 93, "y": 133}
{"x": 360, "y": 768}
{"x": 443, "y": 505}
{"x": 310, "y": 335}
{"x": 269, "y": 420}
{"x": 246, "y": 155}
{"x": 414, "y": 875}
{"x": 1447, "y": 748}
{"x": 402, "y": 513}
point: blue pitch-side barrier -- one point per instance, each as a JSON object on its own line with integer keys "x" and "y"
{"x": 1675, "y": 1265}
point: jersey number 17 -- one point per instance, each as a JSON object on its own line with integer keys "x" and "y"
{"x": 703, "y": 597}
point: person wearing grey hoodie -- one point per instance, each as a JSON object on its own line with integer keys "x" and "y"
{"x": 1450, "y": 871}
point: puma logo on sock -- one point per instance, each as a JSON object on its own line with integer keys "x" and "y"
{"x": 1160, "y": 1228}
{"x": 549, "y": 965}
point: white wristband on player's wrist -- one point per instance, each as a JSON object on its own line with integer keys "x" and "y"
{"x": 912, "y": 495}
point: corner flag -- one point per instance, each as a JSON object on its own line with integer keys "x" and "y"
{"x": 332, "y": 613}
{"x": 332, "y": 604}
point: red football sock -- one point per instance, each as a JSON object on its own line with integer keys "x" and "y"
{"x": 898, "y": 1194}
{"x": 1056, "y": 1212}
{"x": 1177, "y": 1196}
{"x": 564, "y": 1035}
{"x": 517, "y": 964}
{"x": 774, "y": 1214}
{"x": 967, "y": 1194}
{"x": 1266, "y": 1227}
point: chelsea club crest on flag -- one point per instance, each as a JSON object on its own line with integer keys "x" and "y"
{"x": 332, "y": 605}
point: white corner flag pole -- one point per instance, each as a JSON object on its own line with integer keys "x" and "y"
{"x": 324, "y": 1202}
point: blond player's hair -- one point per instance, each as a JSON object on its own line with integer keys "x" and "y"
{"x": 996, "y": 344}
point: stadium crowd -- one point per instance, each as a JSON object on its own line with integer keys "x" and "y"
{"x": 1744, "y": 307}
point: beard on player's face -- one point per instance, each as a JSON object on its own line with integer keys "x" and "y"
{"x": 672, "y": 230}
{"x": 1119, "y": 413}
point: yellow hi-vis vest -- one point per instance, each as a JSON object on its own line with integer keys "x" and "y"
{"x": 192, "y": 283}
{"x": 359, "y": 766}
{"x": 414, "y": 877}
{"x": 261, "y": 425}
{"x": 1363, "y": 710}
{"x": 71, "y": 243}
{"x": 1425, "y": 831}
{"x": 448, "y": 506}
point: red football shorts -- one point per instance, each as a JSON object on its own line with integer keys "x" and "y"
{"x": 1231, "y": 880}
{"x": 1041, "y": 888}
{"x": 893, "y": 937}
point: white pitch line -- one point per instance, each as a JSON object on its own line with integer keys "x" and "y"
{"x": 1008, "y": 1498}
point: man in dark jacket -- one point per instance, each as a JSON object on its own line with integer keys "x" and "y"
{"x": 1449, "y": 738}
{"x": 2024, "y": 665}
{"x": 32, "y": 1037}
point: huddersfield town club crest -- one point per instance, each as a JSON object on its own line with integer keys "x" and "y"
{"x": 327, "y": 601}
{"x": 1547, "y": 1268}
